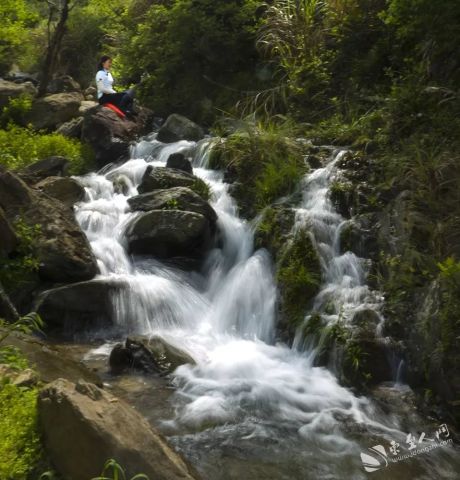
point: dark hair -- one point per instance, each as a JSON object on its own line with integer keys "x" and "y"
{"x": 103, "y": 59}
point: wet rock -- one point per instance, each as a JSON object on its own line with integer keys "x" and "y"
{"x": 50, "y": 111}
{"x": 11, "y": 90}
{"x": 107, "y": 134}
{"x": 178, "y": 161}
{"x": 167, "y": 355}
{"x": 72, "y": 128}
{"x": 133, "y": 354}
{"x": 274, "y": 229}
{"x": 366, "y": 320}
{"x": 62, "y": 248}
{"x": 399, "y": 400}
{"x": 150, "y": 355}
{"x": 83, "y": 426}
{"x": 160, "y": 177}
{"x": 177, "y": 198}
{"x": 432, "y": 347}
{"x": 169, "y": 233}
{"x": 55, "y": 166}
{"x": 155, "y": 178}
{"x": 299, "y": 277}
{"x": 178, "y": 128}
{"x": 79, "y": 307}
{"x": 343, "y": 196}
{"x": 65, "y": 189}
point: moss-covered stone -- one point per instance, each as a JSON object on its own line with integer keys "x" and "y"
{"x": 299, "y": 278}
{"x": 274, "y": 229}
{"x": 263, "y": 165}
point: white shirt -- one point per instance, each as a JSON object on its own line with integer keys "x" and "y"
{"x": 104, "y": 81}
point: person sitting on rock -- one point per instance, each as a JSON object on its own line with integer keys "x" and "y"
{"x": 105, "y": 91}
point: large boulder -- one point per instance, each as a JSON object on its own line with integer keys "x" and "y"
{"x": 65, "y": 189}
{"x": 51, "y": 166}
{"x": 162, "y": 177}
{"x": 78, "y": 307}
{"x": 72, "y": 128}
{"x": 177, "y": 160}
{"x": 178, "y": 128}
{"x": 51, "y": 361}
{"x": 11, "y": 90}
{"x": 169, "y": 233}
{"x": 107, "y": 134}
{"x": 86, "y": 105}
{"x": 84, "y": 426}
{"x": 62, "y": 84}
{"x": 49, "y": 111}
{"x": 62, "y": 248}
{"x": 150, "y": 355}
{"x": 179, "y": 198}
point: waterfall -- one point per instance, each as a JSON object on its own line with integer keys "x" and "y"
{"x": 247, "y": 398}
{"x": 344, "y": 290}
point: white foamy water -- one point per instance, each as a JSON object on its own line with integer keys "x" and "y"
{"x": 344, "y": 290}
{"x": 245, "y": 392}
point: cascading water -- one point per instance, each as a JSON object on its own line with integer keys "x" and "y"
{"x": 249, "y": 408}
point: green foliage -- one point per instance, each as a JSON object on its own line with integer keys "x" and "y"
{"x": 10, "y": 355}
{"x": 18, "y": 267}
{"x": 196, "y": 55}
{"x": 22, "y": 453}
{"x": 266, "y": 161}
{"x": 449, "y": 268}
{"x": 273, "y": 230}
{"x": 20, "y": 147}
{"x": 172, "y": 204}
{"x": 200, "y": 187}
{"x": 430, "y": 30}
{"x": 15, "y": 110}
{"x": 18, "y": 16}
{"x": 116, "y": 472}
{"x": 20, "y": 441}
{"x": 27, "y": 324}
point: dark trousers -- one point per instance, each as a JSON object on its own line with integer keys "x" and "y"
{"x": 122, "y": 100}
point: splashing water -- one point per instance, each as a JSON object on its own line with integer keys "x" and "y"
{"x": 249, "y": 408}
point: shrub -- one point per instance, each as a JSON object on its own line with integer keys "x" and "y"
{"x": 20, "y": 147}
{"x": 18, "y": 268}
{"x": 20, "y": 440}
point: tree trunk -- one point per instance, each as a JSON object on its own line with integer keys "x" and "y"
{"x": 54, "y": 47}
{"x": 7, "y": 310}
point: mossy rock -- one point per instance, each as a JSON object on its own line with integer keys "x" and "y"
{"x": 274, "y": 229}
{"x": 262, "y": 166}
{"x": 299, "y": 278}
{"x": 156, "y": 178}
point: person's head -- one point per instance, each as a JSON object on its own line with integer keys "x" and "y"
{"x": 104, "y": 62}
